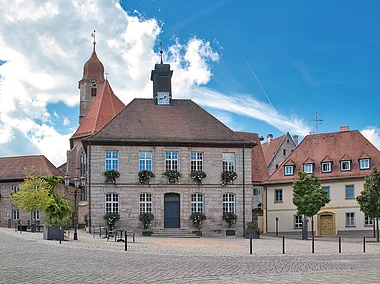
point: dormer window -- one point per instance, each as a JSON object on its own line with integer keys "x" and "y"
{"x": 326, "y": 167}
{"x": 308, "y": 168}
{"x": 289, "y": 170}
{"x": 345, "y": 166}
{"x": 364, "y": 164}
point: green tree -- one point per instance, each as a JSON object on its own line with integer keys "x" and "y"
{"x": 369, "y": 198}
{"x": 308, "y": 197}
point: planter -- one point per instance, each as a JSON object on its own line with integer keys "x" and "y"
{"x": 254, "y": 234}
{"x": 147, "y": 233}
{"x": 53, "y": 233}
{"x": 197, "y": 233}
{"x": 230, "y": 233}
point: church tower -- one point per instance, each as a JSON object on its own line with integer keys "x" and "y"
{"x": 93, "y": 79}
{"x": 162, "y": 83}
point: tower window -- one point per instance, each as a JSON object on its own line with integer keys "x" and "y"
{"x": 93, "y": 92}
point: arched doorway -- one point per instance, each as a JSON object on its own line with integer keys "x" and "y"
{"x": 326, "y": 224}
{"x": 172, "y": 215}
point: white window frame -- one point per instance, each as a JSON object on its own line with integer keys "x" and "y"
{"x": 196, "y": 161}
{"x": 289, "y": 170}
{"x": 15, "y": 215}
{"x": 111, "y": 203}
{"x": 308, "y": 168}
{"x": 353, "y": 191}
{"x": 344, "y": 169}
{"x": 35, "y": 215}
{"x": 328, "y": 164}
{"x": 145, "y": 203}
{"x": 229, "y": 203}
{"x": 228, "y": 162}
{"x": 326, "y": 189}
{"x": 15, "y": 188}
{"x": 280, "y": 199}
{"x": 145, "y": 161}
{"x": 197, "y": 203}
{"x": 171, "y": 161}
{"x": 368, "y": 221}
{"x": 350, "y": 219}
{"x": 297, "y": 222}
{"x": 113, "y": 158}
{"x": 364, "y": 164}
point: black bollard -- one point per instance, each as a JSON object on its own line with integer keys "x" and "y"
{"x": 250, "y": 244}
{"x": 364, "y": 244}
{"x": 283, "y": 244}
{"x": 133, "y": 236}
{"x": 100, "y": 232}
{"x": 340, "y": 244}
{"x": 276, "y": 226}
{"x": 60, "y": 228}
{"x": 126, "y": 241}
{"x": 312, "y": 244}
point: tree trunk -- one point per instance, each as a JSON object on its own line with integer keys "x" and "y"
{"x": 377, "y": 223}
{"x": 312, "y": 226}
{"x": 304, "y": 228}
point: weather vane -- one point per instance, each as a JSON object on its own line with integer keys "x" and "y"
{"x": 93, "y": 36}
{"x": 106, "y": 75}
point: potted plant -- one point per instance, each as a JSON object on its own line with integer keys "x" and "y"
{"x": 197, "y": 219}
{"x": 252, "y": 230}
{"x": 144, "y": 176}
{"x": 173, "y": 176}
{"x": 197, "y": 176}
{"x": 230, "y": 218}
{"x": 227, "y": 177}
{"x": 111, "y": 219}
{"x": 111, "y": 176}
{"x": 146, "y": 219}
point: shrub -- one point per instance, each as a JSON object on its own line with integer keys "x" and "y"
{"x": 146, "y": 219}
{"x": 230, "y": 218}
{"x": 197, "y": 176}
{"x": 197, "y": 219}
{"x": 173, "y": 176}
{"x": 227, "y": 177}
{"x": 144, "y": 176}
{"x": 111, "y": 176}
{"x": 111, "y": 219}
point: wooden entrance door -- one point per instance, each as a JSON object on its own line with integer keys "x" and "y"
{"x": 172, "y": 210}
{"x": 327, "y": 226}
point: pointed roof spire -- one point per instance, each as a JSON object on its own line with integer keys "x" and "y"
{"x": 94, "y": 41}
{"x": 93, "y": 69}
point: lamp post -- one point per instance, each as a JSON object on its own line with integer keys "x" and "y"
{"x": 77, "y": 183}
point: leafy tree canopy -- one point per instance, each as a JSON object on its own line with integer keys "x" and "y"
{"x": 308, "y": 195}
{"x": 369, "y": 198}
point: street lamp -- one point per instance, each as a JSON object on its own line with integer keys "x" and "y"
{"x": 77, "y": 183}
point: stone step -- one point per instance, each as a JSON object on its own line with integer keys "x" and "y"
{"x": 174, "y": 233}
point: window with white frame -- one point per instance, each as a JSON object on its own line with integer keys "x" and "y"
{"x": 15, "y": 188}
{"x": 145, "y": 203}
{"x": 83, "y": 162}
{"x": 368, "y": 221}
{"x": 327, "y": 190}
{"x": 350, "y": 219}
{"x": 15, "y": 215}
{"x": 297, "y": 221}
{"x": 350, "y": 192}
{"x": 171, "y": 161}
{"x": 35, "y": 215}
{"x": 228, "y": 162}
{"x": 364, "y": 164}
{"x": 112, "y": 203}
{"x": 345, "y": 166}
{"x": 145, "y": 161}
{"x": 308, "y": 168}
{"x": 228, "y": 203}
{"x": 112, "y": 160}
{"x": 196, "y": 161}
{"x": 289, "y": 170}
{"x": 278, "y": 195}
{"x": 326, "y": 167}
{"x": 197, "y": 203}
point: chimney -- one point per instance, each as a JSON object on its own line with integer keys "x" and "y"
{"x": 295, "y": 139}
{"x": 311, "y": 133}
{"x": 261, "y": 138}
{"x": 269, "y": 137}
{"x": 344, "y": 128}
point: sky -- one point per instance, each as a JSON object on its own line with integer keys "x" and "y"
{"x": 268, "y": 67}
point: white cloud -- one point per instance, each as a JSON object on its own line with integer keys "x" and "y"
{"x": 56, "y": 114}
{"x": 46, "y": 43}
{"x": 373, "y": 135}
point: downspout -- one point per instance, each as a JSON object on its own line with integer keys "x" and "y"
{"x": 89, "y": 184}
{"x": 243, "y": 190}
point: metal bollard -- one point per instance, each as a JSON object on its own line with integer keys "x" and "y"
{"x": 126, "y": 241}
{"x": 364, "y": 244}
{"x": 312, "y": 244}
{"x": 133, "y": 236}
{"x": 250, "y": 244}
{"x": 100, "y": 232}
{"x": 283, "y": 244}
{"x": 340, "y": 244}
{"x": 60, "y": 229}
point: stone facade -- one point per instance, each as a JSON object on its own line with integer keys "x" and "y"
{"x": 285, "y": 148}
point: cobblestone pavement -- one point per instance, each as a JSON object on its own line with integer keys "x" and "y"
{"x": 26, "y": 258}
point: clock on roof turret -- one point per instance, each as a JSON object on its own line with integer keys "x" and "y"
{"x": 162, "y": 83}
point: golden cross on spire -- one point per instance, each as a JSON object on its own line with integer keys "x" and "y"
{"x": 93, "y": 36}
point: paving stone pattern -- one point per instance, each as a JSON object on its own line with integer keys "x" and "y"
{"x": 26, "y": 258}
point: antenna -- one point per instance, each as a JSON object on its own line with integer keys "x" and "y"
{"x": 161, "y": 52}
{"x": 317, "y": 122}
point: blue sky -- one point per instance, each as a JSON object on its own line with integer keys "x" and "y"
{"x": 308, "y": 57}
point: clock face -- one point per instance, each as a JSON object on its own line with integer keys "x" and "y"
{"x": 93, "y": 83}
{"x": 163, "y": 98}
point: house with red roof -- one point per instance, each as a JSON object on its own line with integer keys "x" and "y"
{"x": 341, "y": 160}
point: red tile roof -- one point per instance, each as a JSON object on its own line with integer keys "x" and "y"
{"x": 259, "y": 168}
{"x": 142, "y": 121}
{"x": 93, "y": 69}
{"x": 104, "y": 107}
{"x": 270, "y": 148}
{"x": 13, "y": 168}
{"x": 330, "y": 147}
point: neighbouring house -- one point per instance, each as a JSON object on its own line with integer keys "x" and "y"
{"x": 276, "y": 150}
{"x": 341, "y": 161}
{"x": 12, "y": 173}
{"x": 168, "y": 137}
